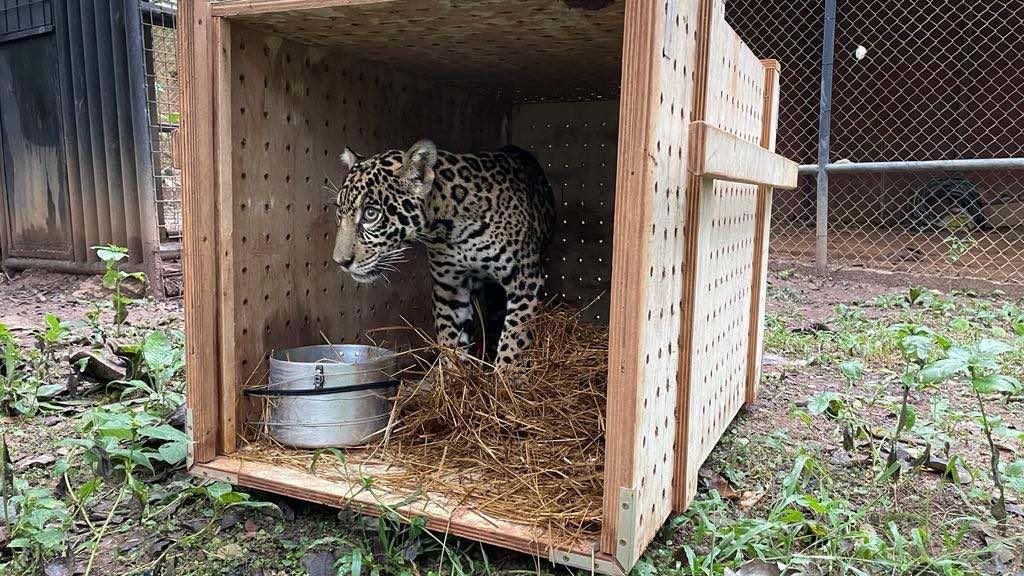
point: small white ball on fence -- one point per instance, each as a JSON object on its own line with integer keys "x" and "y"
{"x": 860, "y": 52}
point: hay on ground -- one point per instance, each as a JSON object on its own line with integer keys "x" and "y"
{"x": 525, "y": 444}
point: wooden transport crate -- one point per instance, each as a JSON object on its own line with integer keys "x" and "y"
{"x": 655, "y": 125}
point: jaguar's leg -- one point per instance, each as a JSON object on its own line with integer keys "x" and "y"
{"x": 523, "y": 300}
{"x": 453, "y": 309}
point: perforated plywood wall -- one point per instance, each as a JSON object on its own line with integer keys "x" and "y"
{"x": 665, "y": 248}
{"x": 649, "y": 247}
{"x": 528, "y": 48}
{"x": 724, "y": 265}
{"x": 576, "y": 144}
{"x": 294, "y": 109}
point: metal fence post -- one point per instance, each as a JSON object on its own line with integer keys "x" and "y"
{"x": 824, "y": 136}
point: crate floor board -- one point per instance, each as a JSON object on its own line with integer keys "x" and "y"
{"x": 441, "y": 514}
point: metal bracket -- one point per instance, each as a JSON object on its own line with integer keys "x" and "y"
{"x": 591, "y": 562}
{"x": 625, "y": 530}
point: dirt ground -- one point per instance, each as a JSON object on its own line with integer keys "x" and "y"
{"x": 800, "y": 484}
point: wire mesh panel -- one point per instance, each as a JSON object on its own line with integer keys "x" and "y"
{"x": 914, "y": 81}
{"x": 161, "y": 53}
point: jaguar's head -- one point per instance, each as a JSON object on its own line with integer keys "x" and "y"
{"x": 380, "y": 208}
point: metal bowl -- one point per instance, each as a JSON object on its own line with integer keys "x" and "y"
{"x": 329, "y": 396}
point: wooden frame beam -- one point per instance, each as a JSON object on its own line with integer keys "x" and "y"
{"x": 719, "y": 155}
{"x": 228, "y": 8}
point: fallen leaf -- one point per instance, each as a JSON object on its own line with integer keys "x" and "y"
{"x": 319, "y": 563}
{"x": 232, "y": 550}
{"x": 715, "y": 481}
{"x": 814, "y": 328}
{"x": 756, "y": 568}
{"x": 750, "y": 499}
{"x": 229, "y": 519}
{"x": 35, "y": 460}
{"x": 57, "y": 568}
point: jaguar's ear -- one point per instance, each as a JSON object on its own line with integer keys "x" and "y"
{"x": 418, "y": 162}
{"x": 349, "y": 158}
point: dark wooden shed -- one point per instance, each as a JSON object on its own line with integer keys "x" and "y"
{"x": 75, "y": 167}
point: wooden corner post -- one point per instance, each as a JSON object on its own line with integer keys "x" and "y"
{"x": 199, "y": 241}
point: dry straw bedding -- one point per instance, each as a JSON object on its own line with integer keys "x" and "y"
{"x": 525, "y": 444}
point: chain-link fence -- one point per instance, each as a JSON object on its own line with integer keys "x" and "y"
{"x": 160, "y": 50}
{"x": 916, "y": 80}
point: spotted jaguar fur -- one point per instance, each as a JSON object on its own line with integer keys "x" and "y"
{"x": 483, "y": 217}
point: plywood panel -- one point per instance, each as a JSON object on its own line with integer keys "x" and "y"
{"x": 439, "y": 513}
{"x": 721, "y": 261}
{"x": 295, "y": 108}
{"x": 575, "y": 142}
{"x": 647, "y": 283}
{"x": 528, "y": 47}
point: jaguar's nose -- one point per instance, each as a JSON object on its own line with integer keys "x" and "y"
{"x": 344, "y": 262}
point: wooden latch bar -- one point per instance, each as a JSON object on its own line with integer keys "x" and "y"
{"x": 717, "y": 154}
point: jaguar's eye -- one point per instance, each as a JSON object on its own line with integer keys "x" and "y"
{"x": 371, "y": 214}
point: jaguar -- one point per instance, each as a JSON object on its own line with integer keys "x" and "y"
{"x": 485, "y": 219}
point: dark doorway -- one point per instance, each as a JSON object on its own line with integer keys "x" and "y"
{"x": 33, "y": 165}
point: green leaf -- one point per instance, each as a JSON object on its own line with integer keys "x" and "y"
{"x": 138, "y": 488}
{"x": 164, "y": 432}
{"x": 909, "y": 417}
{"x": 1014, "y": 469}
{"x": 942, "y": 370}
{"x": 218, "y": 489}
{"x": 173, "y": 453}
{"x": 993, "y": 347}
{"x": 116, "y": 425}
{"x": 157, "y": 351}
{"x": 83, "y": 492}
{"x": 917, "y": 346}
{"x": 852, "y": 370}
{"x": 791, "y": 516}
{"x": 110, "y": 278}
{"x": 111, "y": 253}
{"x": 821, "y": 402}
{"x": 20, "y": 543}
{"x": 996, "y": 383}
{"x": 960, "y": 324}
{"x": 1018, "y": 326}
{"x": 357, "y": 562}
{"x": 230, "y": 498}
{"x": 120, "y": 309}
{"x": 47, "y": 390}
{"x": 141, "y": 458}
{"x": 50, "y": 539}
